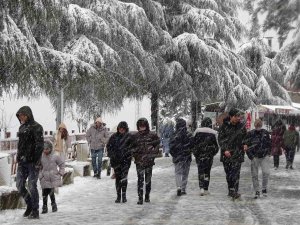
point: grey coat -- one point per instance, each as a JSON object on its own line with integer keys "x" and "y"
{"x": 53, "y": 168}
{"x": 97, "y": 137}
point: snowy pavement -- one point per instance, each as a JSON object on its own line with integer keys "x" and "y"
{"x": 91, "y": 201}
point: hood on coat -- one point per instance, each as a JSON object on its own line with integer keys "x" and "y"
{"x": 62, "y": 125}
{"x": 141, "y": 122}
{"x": 180, "y": 124}
{"x": 124, "y": 125}
{"x": 206, "y": 122}
{"x": 48, "y": 145}
{"x": 26, "y": 110}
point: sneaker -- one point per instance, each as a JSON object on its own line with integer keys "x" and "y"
{"x": 95, "y": 175}
{"x": 257, "y": 194}
{"x": 27, "y": 211}
{"x": 140, "y": 201}
{"x": 276, "y": 167}
{"x": 98, "y": 176}
{"x": 147, "y": 198}
{"x": 178, "y": 192}
{"x": 264, "y": 193}
{"x": 201, "y": 191}
{"x": 206, "y": 192}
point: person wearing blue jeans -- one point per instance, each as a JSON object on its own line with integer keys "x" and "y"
{"x": 97, "y": 137}
{"x": 30, "y": 148}
{"x": 97, "y": 155}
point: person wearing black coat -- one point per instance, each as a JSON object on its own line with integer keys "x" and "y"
{"x": 146, "y": 149}
{"x": 258, "y": 149}
{"x": 231, "y": 137}
{"x": 119, "y": 151}
{"x": 30, "y": 149}
{"x": 205, "y": 148}
{"x": 181, "y": 150}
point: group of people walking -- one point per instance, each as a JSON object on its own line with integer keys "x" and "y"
{"x": 41, "y": 159}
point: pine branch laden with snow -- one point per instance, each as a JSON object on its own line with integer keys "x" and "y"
{"x": 292, "y": 77}
{"x": 19, "y": 55}
{"x": 85, "y": 50}
{"x": 130, "y": 16}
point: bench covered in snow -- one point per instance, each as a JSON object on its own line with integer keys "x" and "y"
{"x": 10, "y": 198}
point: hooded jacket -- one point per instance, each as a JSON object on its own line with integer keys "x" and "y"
{"x": 291, "y": 138}
{"x": 119, "y": 147}
{"x": 50, "y": 176}
{"x": 205, "y": 141}
{"x": 146, "y": 145}
{"x": 181, "y": 143}
{"x": 62, "y": 146}
{"x": 31, "y": 139}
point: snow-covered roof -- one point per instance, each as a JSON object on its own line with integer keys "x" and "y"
{"x": 280, "y": 108}
{"x": 296, "y": 105}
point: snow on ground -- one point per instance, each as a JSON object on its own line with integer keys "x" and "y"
{"x": 91, "y": 201}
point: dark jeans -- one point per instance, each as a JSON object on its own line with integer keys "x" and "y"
{"x": 97, "y": 155}
{"x": 290, "y": 155}
{"x": 144, "y": 174}
{"x": 232, "y": 171}
{"x": 31, "y": 196}
{"x": 45, "y": 193}
{"x": 204, "y": 168}
{"x": 276, "y": 160}
{"x": 121, "y": 173}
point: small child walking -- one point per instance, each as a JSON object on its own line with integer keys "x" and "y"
{"x": 52, "y": 170}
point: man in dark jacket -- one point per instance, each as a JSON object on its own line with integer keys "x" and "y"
{"x": 181, "y": 150}
{"x": 30, "y": 148}
{"x": 291, "y": 142}
{"x": 258, "y": 150}
{"x": 119, "y": 151}
{"x": 231, "y": 136}
{"x": 145, "y": 150}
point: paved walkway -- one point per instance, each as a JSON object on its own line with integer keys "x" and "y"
{"x": 91, "y": 201}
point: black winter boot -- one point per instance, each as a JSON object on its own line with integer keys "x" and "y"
{"x": 54, "y": 207}
{"x": 147, "y": 197}
{"x": 34, "y": 214}
{"x": 124, "y": 199}
{"x": 118, "y": 200}
{"x": 27, "y": 211}
{"x": 140, "y": 201}
{"x": 44, "y": 209}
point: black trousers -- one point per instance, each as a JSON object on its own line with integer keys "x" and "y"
{"x": 45, "y": 193}
{"x": 276, "y": 160}
{"x": 143, "y": 174}
{"x": 121, "y": 173}
{"x": 232, "y": 170}
{"x": 204, "y": 168}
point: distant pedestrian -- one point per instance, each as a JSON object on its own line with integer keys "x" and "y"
{"x": 205, "y": 148}
{"x": 30, "y": 148}
{"x": 166, "y": 130}
{"x": 231, "y": 135}
{"x": 62, "y": 142}
{"x": 277, "y": 141}
{"x": 97, "y": 137}
{"x": 146, "y": 148}
{"x": 258, "y": 149}
{"x": 120, "y": 153}
{"x": 291, "y": 143}
{"x": 52, "y": 170}
{"x": 181, "y": 151}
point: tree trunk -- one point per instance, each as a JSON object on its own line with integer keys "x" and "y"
{"x": 58, "y": 111}
{"x": 154, "y": 111}
{"x": 195, "y": 111}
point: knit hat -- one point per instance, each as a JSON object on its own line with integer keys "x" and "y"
{"x": 234, "y": 112}
{"x": 99, "y": 120}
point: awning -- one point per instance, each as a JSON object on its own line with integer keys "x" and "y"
{"x": 279, "y": 109}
